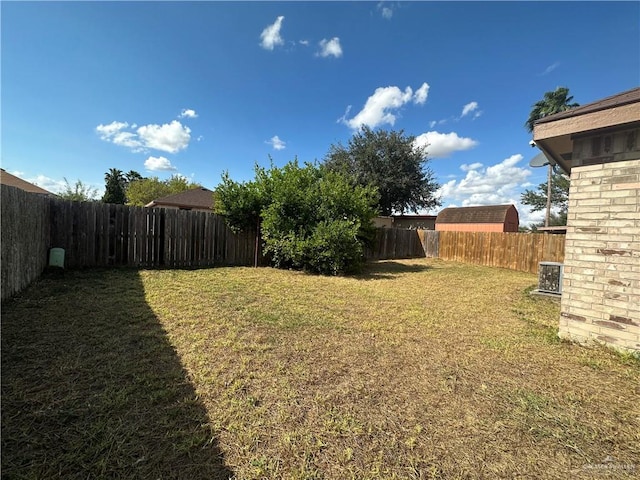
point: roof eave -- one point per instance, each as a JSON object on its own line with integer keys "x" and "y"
{"x": 555, "y": 136}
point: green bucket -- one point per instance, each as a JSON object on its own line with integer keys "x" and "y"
{"x": 56, "y": 257}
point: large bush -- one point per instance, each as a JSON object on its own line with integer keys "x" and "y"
{"x": 311, "y": 218}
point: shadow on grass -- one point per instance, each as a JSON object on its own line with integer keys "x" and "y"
{"x": 92, "y": 388}
{"x": 387, "y": 270}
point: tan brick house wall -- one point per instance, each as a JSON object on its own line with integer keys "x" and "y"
{"x": 601, "y": 287}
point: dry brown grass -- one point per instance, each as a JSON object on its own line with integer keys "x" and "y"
{"x": 415, "y": 369}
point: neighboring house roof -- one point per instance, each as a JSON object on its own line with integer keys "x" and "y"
{"x": 482, "y": 214}
{"x": 13, "y": 181}
{"x": 195, "y": 198}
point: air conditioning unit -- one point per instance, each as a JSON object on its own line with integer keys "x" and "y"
{"x": 550, "y": 277}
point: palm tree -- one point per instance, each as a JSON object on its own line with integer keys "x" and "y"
{"x": 114, "y": 191}
{"x": 555, "y": 101}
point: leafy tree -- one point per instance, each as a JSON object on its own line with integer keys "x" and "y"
{"x": 557, "y": 184}
{"x": 144, "y": 190}
{"x": 79, "y": 192}
{"x": 115, "y": 183}
{"x": 312, "y": 218}
{"x": 391, "y": 162}
{"x": 242, "y": 203}
{"x": 537, "y": 199}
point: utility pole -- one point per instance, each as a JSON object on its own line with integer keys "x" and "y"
{"x": 548, "y": 214}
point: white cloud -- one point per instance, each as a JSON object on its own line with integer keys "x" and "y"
{"x": 468, "y": 108}
{"x": 114, "y": 133}
{"x": 108, "y": 131}
{"x": 433, "y": 123}
{"x": 474, "y": 166}
{"x": 330, "y": 48}
{"x": 441, "y": 145}
{"x": 304, "y": 42}
{"x": 169, "y": 137}
{"x": 159, "y": 164}
{"x": 550, "y": 68}
{"x": 188, "y": 113}
{"x": 386, "y": 12}
{"x": 379, "y": 107}
{"x": 527, "y": 217}
{"x": 276, "y": 143}
{"x": 271, "y": 35}
{"x": 54, "y": 186}
{"x": 497, "y": 184}
{"x": 57, "y": 186}
{"x": 421, "y": 94}
{"x": 127, "y": 139}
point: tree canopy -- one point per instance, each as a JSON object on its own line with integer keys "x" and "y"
{"x": 312, "y": 218}
{"x": 114, "y": 191}
{"x": 79, "y": 192}
{"x": 555, "y": 101}
{"x": 116, "y": 184}
{"x": 141, "y": 191}
{"x": 537, "y": 199}
{"x": 391, "y": 162}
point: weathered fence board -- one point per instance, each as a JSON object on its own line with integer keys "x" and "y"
{"x": 516, "y": 251}
{"x": 430, "y": 244}
{"x": 24, "y": 238}
{"x": 392, "y": 243}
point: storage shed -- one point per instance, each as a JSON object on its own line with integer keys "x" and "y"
{"x": 486, "y": 218}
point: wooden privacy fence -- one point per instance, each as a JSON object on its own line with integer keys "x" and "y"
{"x": 515, "y": 251}
{"x": 95, "y": 234}
{"x": 24, "y": 238}
{"x": 395, "y": 243}
{"x": 430, "y": 242}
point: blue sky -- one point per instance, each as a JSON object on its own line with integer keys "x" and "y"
{"x": 199, "y": 88}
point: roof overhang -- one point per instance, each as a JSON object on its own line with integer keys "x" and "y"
{"x": 554, "y": 136}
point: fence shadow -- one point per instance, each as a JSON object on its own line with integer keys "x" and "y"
{"x": 92, "y": 388}
{"x": 388, "y": 270}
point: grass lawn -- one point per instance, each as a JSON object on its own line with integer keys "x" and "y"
{"x": 415, "y": 369}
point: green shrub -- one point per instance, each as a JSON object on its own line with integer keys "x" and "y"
{"x": 312, "y": 219}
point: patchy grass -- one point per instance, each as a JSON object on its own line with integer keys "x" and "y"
{"x": 415, "y": 369}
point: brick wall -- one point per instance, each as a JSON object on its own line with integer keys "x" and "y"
{"x": 601, "y": 288}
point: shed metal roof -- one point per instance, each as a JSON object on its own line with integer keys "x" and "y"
{"x": 481, "y": 214}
